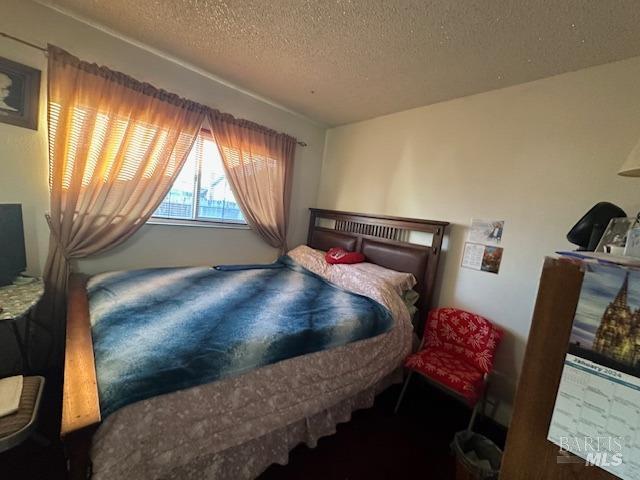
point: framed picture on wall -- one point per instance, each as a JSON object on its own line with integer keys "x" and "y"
{"x": 19, "y": 94}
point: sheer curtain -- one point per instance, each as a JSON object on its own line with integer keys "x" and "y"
{"x": 115, "y": 146}
{"x": 258, "y": 163}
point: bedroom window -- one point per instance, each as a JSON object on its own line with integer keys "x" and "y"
{"x": 201, "y": 194}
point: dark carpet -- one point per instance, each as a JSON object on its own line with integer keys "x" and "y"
{"x": 375, "y": 444}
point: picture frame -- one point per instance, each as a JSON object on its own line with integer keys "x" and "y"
{"x": 19, "y": 94}
{"x": 614, "y": 239}
{"x": 632, "y": 247}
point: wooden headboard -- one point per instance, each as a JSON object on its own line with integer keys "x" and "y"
{"x": 403, "y": 244}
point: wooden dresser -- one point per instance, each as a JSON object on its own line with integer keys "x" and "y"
{"x": 528, "y": 454}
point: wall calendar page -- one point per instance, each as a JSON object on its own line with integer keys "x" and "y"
{"x": 597, "y": 411}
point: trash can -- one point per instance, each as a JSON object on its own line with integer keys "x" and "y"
{"x": 477, "y": 457}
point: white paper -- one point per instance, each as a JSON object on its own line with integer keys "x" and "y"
{"x": 487, "y": 232}
{"x": 10, "y": 393}
{"x": 472, "y": 257}
{"x": 596, "y": 416}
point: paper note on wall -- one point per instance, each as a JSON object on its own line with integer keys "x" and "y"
{"x": 482, "y": 252}
{"x": 486, "y": 232}
{"x": 482, "y": 257}
{"x": 472, "y": 257}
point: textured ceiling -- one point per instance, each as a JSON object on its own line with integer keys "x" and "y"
{"x": 339, "y": 61}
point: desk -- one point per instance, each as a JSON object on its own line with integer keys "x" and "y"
{"x": 17, "y": 302}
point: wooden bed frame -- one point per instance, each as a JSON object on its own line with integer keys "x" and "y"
{"x": 385, "y": 240}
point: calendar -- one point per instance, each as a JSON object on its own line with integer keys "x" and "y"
{"x": 597, "y": 410}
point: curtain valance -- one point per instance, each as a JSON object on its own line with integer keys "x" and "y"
{"x": 62, "y": 57}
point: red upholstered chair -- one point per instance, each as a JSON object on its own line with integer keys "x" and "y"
{"x": 456, "y": 354}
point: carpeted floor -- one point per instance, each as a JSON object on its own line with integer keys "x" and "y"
{"x": 375, "y": 444}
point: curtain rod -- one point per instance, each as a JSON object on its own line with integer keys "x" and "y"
{"x": 44, "y": 50}
{"x": 29, "y": 44}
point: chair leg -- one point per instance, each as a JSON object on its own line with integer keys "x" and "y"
{"x": 472, "y": 420}
{"x": 482, "y": 402}
{"x": 402, "y": 392}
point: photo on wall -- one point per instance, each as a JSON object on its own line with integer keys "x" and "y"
{"x": 19, "y": 94}
{"x": 491, "y": 259}
{"x": 488, "y": 232}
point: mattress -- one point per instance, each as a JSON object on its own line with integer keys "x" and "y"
{"x": 192, "y": 432}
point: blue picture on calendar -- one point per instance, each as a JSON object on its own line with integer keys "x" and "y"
{"x": 606, "y": 327}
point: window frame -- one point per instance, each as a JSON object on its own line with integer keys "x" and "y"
{"x": 197, "y": 221}
{"x": 181, "y": 222}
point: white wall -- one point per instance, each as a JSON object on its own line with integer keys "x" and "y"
{"x": 537, "y": 155}
{"x": 23, "y": 152}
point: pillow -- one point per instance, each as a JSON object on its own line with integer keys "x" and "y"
{"x": 410, "y": 298}
{"x": 340, "y": 255}
{"x": 311, "y": 259}
{"x": 399, "y": 281}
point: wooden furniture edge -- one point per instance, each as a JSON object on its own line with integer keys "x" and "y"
{"x": 323, "y": 212}
{"x": 80, "y": 403}
{"x": 557, "y": 282}
{"x": 528, "y": 454}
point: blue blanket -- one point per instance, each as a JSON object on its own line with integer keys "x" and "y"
{"x": 160, "y": 330}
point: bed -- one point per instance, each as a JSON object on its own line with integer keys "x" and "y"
{"x": 235, "y": 426}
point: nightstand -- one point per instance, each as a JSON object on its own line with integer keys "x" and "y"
{"x": 17, "y": 302}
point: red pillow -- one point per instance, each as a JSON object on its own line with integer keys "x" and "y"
{"x": 340, "y": 255}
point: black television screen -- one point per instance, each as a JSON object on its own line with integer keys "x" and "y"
{"x": 13, "y": 259}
